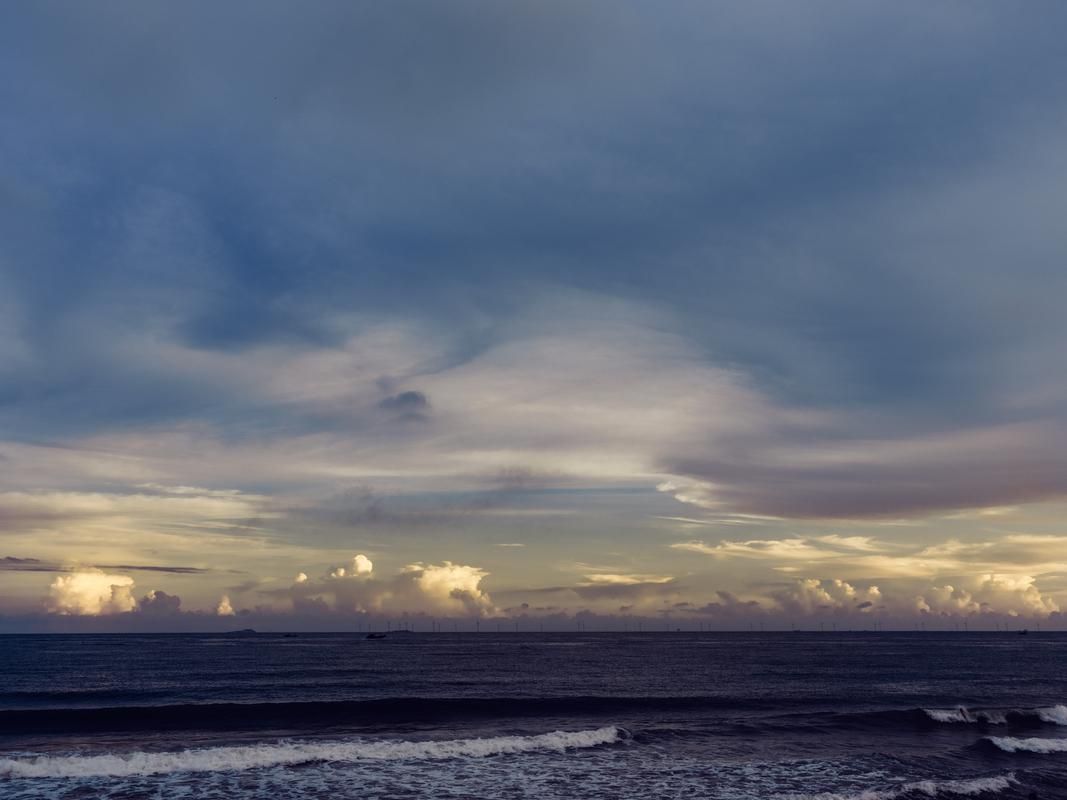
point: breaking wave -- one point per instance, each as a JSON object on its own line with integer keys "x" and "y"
{"x": 952, "y": 788}
{"x": 1056, "y": 715}
{"x": 962, "y": 714}
{"x": 925, "y": 718}
{"x": 1011, "y": 744}
{"x": 217, "y": 759}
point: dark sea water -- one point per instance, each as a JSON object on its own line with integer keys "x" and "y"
{"x": 607, "y": 715}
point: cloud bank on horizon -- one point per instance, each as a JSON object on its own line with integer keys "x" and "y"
{"x": 693, "y": 311}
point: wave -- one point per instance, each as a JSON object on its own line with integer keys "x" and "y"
{"x": 1056, "y": 715}
{"x": 969, "y": 787}
{"x": 352, "y": 713}
{"x": 962, "y": 714}
{"x": 924, "y": 718}
{"x": 217, "y": 759}
{"x": 767, "y": 712}
{"x": 1011, "y": 744}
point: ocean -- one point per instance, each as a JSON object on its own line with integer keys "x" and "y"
{"x": 737, "y": 716}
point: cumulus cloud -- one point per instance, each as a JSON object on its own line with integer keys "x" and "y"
{"x": 360, "y": 565}
{"x": 729, "y": 605}
{"x": 989, "y": 595}
{"x": 446, "y": 589}
{"x": 91, "y": 593}
{"x": 224, "y": 608}
{"x": 160, "y": 603}
{"x": 1014, "y": 595}
{"x": 811, "y": 595}
{"x": 449, "y": 585}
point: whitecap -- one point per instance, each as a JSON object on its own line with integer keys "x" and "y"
{"x": 1011, "y": 744}
{"x": 1053, "y": 714}
{"x": 217, "y": 759}
{"x": 968, "y": 787}
{"x": 962, "y": 714}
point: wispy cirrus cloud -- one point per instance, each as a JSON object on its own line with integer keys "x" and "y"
{"x": 817, "y": 548}
{"x": 15, "y": 564}
{"x": 866, "y": 556}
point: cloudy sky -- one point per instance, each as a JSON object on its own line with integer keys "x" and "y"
{"x": 714, "y": 314}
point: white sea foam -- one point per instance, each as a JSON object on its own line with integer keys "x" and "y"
{"x": 970, "y": 787}
{"x": 955, "y": 788}
{"x": 1054, "y": 714}
{"x": 1010, "y": 744}
{"x": 962, "y": 714}
{"x": 217, "y": 759}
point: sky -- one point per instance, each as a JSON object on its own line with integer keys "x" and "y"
{"x": 559, "y": 313}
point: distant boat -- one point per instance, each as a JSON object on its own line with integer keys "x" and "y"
{"x": 375, "y": 636}
{"x": 1023, "y": 632}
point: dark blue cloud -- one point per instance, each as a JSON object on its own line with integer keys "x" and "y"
{"x": 773, "y": 177}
